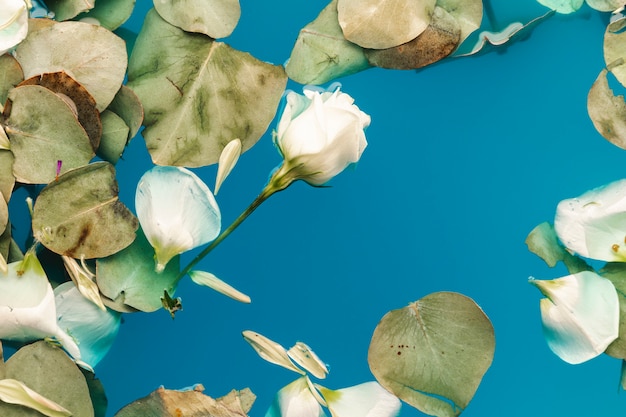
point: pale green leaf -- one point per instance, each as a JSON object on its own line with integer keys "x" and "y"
{"x": 322, "y": 53}
{"x": 383, "y": 24}
{"x": 215, "y": 18}
{"x": 605, "y": 5}
{"x": 110, "y": 14}
{"x": 126, "y": 105}
{"x": 607, "y": 111}
{"x": 80, "y": 215}
{"x": 615, "y": 53}
{"x": 468, "y": 14}
{"x": 92, "y": 55}
{"x": 67, "y": 9}
{"x": 433, "y": 353}
{"x": 562, "y": 6}
{"x": 616, "y": 273}
{"x": 43, "y": 130}
{"x": 199, "y": 94}
{"x": 543, "y": 242}
{"x": 10, "y": 76}
{"x": 128, "y": 277}
{"x": 114, "y": 137}
{"x": 50, "y": 372}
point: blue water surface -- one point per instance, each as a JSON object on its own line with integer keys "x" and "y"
{"x": 465, "y": 157}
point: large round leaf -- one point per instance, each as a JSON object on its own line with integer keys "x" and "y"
{"x": 128, "y": 277}
{"x": 50, "y": 372}
{"x": 433, "y": 353}
{"x": 80, "y": 215}
{"x": 383, "y": 24}
{"x": 44, "y": 129}
{"x": 110, "y": 13}
{"x": 321, "y": 52}
{"x": 92, "y": 55}
{"x": 214, "y": 18}
{"x": 615, "y": 53}
{"x": 199, "y": 94}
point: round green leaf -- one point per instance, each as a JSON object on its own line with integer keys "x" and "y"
{"x": 468, "y": 14}
{"x": 615, "y": 54}
{"x": 605, "y": 5}
{"x": 129, "y": 279}
{"x": 381, "y": 24}
{"x": 199, "y": 94}
{"x": 114, "y": 137}
{"x": 607, "y": 111}
{"x": 50, "y": 372}
{"x": 126, "y": 105}
{"x": 214, "y": 18}
{"x": 92, "y": 55}
{"x": 80, "y": 215}
{"x": 44, "y": 129}
{"x": 616, "y": 273}
{"x": 110, "y": 14}
{"x": 10, "y": 76}
{"x": 321, "y": 52}
{"x": 7, "y": 180}
{"x": 433, "y": 353}
{"x": 562, "y": 6}
{"x": 67, "y": 9}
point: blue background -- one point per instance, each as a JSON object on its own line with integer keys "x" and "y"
{"x": 465, "y": 157}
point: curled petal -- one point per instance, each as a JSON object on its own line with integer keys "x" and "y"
{"x": 296, "y": 400}
{"x": 211, "y": 281}
{"x": 580, "y": 315}
{"x": 594, "y": 224}
{"x": 228, "y": 159}
{"x": 306, "y": 358}
{"x": 16, "y": 392}
{"x": 270, "y": 350}
{"x": 364, "y": 400}
{"x": 177, "y": 211}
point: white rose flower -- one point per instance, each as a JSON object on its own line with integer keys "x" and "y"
{"x": 13, "y": 23}
{"x": 319, "y": 135}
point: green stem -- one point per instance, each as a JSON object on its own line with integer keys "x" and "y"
{"x": 278, "y": 182}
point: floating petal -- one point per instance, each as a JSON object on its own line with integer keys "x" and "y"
{"x": 296, "y": 400}
{"x": 580, "y": 315}
{"x": 270, "y": 350}
{"x": 364, "y": 400}
{"x": 16, "y": 392}
{"x": 209, "y": 280}
{"x": 306, "y": 358}
{"x": 228, "y": 158}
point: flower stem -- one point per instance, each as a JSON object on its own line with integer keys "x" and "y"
{"x": 278, "y": 182}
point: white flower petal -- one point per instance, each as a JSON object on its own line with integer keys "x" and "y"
{"x": 594, "y": 224}
{"x": 13, "y": 24}
{"x": 93, "y": 329}
{"x": 177, "y": 211}
{"x": 306, "y": 358}
{"x": 364, "y": 400}
{"x": 209, "y": 280}
{"x": 16, "y": 392}
{"x": 580, "y": 316}
{"x": 295, "y": 400}
{"x": 228, "y": 159}
{"x": 270, "y": 350}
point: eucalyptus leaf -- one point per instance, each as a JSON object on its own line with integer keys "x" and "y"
{"x": 616, "y": 273}
{"x": 190, "y": 402}
{"x": 438, "y": 41}
{"x": 114, "y": 137}
{"x": 77, "y": 97}
{"x": 126, "y": 105}
{"x": 468, "y": 14}
{"x": 81, "y": 216}
{"x": 50, "y": 372}
{"x": 605, "y": 5}
{"x": 615, "y": 53}
{"x": 381, "y": 24}
{"x": 322, "y": 53}
{"x": 199, "y": 94}
{"x": 10, "y": 75}
{"x": 214, "y": 18}
{"x": 5, "y": 243}
{"x": 433, "y": 353}
{"x": 4, "y": 215}
{"x": 607, "y": 111}
{"x": 92, "y": 55}
{"x": 110, "y": 14}
{"x": 96, "y": 392}
{"x": 562, "y": 6}
{"x": 129, "y": 279}
{"x": 7, "y": 180}
{"x": 543, "y": 242}
{"x": 68, "y": 9}
{"x": 43, "y": 130}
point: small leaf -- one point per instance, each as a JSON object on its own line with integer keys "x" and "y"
{"x": 468, "y": 14}
{"x": 43, "y": 129}
{"x": 215, "y": 18}
{"x": 270, "y": 351}
{"x": 15, "y": 392}
{"x": 67, "y": 9}
{"x": 80, "y": 215}
{"x": 114, "y": 137}
{"x": 110, "y": 14}
{"x": 381, "y": 24}
{"x": 10, "y": 75}
{"x": 209, "y": 280}
{"x": 128, "y": 277}
{"x": 126, "y": 105}
{"x": 543, "y": 242}
{"x": 433, "y": 353}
